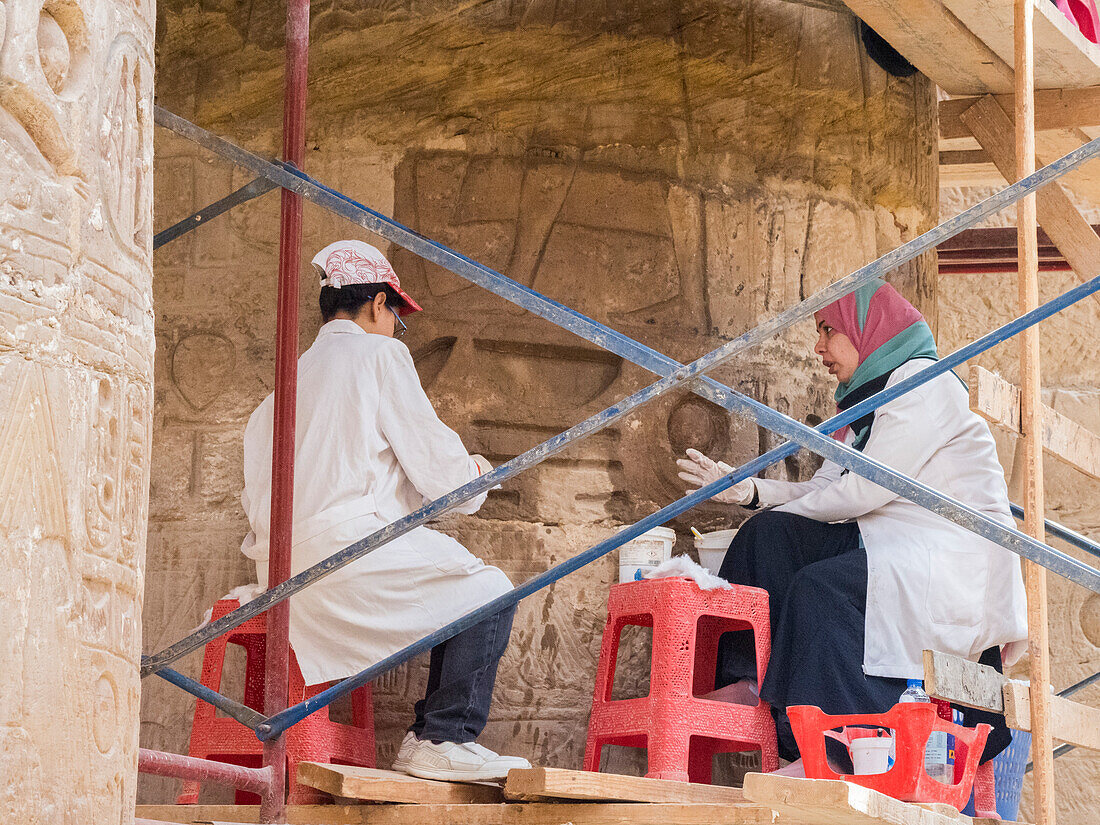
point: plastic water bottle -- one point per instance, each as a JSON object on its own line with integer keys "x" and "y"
{"x": 935, "y": 750}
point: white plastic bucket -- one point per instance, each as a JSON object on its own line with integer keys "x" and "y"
{"x": 644, "y": 553}
{"x": 712, "y": 548}
{"x": 871, "y": 754}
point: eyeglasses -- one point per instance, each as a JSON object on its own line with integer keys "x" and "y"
{"x": 399, "y": 330}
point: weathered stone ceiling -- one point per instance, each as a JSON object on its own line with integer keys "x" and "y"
{"x": 561, "y": 75}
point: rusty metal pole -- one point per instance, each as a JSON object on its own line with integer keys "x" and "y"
{"x": 273, "y": 806}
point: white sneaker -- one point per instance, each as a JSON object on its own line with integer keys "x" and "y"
{"x": 452, "y": 762}
{"x": 408, "y": 745}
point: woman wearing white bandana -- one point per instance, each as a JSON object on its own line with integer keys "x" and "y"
{"x": 369, "y": 450}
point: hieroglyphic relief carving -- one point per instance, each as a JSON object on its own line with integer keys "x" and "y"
{"x": 32, "y": 495}
{"x": 201, "y": 366}
{"x": 134, "y": 500}
{"x": 102, "y": 506}
{"x": 116, "y": 507}
{"x": 75, "y": 393}
{"x": 604, "y": 242}
{"x": 118, "y": 467}
{"x": 43, "y": 68}
{"x": 124, "y": 139}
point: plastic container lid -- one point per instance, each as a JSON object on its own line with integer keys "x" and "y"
{"x": 662, "y": 533}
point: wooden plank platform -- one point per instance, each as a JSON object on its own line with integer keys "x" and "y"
{"x": 936, "y": 42}
{"x": 519, "y": 813}
{"x": 1063, "y": 57}
{"x": 965, "y": 46}
{"x": 832, "y": 802}
{"x": 371, "y": 785}
{"x": 557, "y": 783}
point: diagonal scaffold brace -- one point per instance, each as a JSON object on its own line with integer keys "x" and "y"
{"x": 765, "y": 415}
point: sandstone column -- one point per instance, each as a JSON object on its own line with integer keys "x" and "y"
{"x": 76, "y": 349}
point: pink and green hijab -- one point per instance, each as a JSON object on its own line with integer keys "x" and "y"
{"x": 886, "y": 331}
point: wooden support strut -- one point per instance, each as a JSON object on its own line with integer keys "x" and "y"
{"x": 1054, "y": 109}
{"x": 1070, "y": 232}
{"x": 998, "y": 402}
{"x": 1031, "y": 416}
{"x": 954, "y": 679}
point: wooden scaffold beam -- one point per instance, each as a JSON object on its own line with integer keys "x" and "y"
{"x": 1031, "y": 417}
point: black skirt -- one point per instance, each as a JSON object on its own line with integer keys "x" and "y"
{"x": 816, "y": 577}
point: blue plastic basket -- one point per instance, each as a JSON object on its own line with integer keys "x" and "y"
{"x": 1008, "y": 772}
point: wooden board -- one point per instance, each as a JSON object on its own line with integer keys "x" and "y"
{"x": 1071, "y": 233}
{"x": 955, "y": 679}
{"x": 936, "y": 42}
{"x": 997, "y": 401}
{"x": 373, "y": 785}
{"x": 1084, "y": 181}
{"x": 968, "y": 683}
{"x": 1054, "y": 109}
{"x": 558, "y": 783}
{"x": 535, "y": 813}
{"x": 1063, "y": 57}
{"x": 833, "y": 802}
{"x": 974, "y": 167}
{"x": 1069, "y": 721}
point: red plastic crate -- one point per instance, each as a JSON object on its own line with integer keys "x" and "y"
{"x": 906, "y": 780}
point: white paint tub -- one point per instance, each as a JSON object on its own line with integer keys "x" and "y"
{"x": 871, "y": 755}
{"x": 646, "y": 552}
{"x": 712, "y": 548}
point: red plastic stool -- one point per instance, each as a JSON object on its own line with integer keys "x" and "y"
{"x": 985, "y": 792}
{"x": 315, "y": 739}
{"x": 680, "y": 730}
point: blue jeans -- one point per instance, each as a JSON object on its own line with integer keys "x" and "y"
{"x": 461, "y": 675}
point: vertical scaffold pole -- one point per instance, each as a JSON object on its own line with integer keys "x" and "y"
{"x": 273, "y": 806}
{"x": 1031, "y": 418}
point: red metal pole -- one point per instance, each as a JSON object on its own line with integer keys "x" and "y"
{"x": 273, "y": 805}
{"x": 159, "y": 763}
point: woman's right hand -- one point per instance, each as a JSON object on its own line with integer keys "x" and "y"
{"x": 698, "y": 470}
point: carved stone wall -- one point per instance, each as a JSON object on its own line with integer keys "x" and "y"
{"x": 680, "y": 171}
{"x": 76, "y": 395}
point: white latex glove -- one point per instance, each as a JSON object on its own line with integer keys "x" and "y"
{"x": 699, "y": 471}
{"x": 484, "y": 466}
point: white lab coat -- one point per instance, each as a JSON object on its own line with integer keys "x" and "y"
{"x": 370, "y": 449}
{"x": 931, "y": 584}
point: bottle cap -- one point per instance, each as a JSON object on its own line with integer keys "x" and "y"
{"x": 914, "y": 683}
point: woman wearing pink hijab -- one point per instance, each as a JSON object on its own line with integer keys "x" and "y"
{"x": 861, "y": 580}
